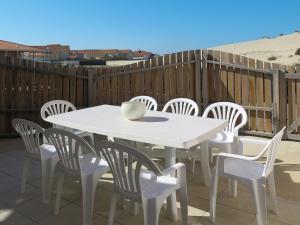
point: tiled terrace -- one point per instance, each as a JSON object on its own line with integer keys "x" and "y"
{"x": 16, "y": 209}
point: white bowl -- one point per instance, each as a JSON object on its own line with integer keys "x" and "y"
{"x": 133, "y": 110}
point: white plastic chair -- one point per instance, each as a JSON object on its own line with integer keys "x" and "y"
{"x": 231, "y": 112}
{"x": 183, "y": 106}
{"x": 33, "y": 137}
{"x": 227, "y": 140}
{"x": 138, "y": 178}
{"x": 61, "y": 106}
{"x": 86, "y": 167}
{"x": 252, "y": 174}
{"x": 150, "y": 102}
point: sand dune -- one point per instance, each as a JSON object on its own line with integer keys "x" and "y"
{"x": 280, "y": 49}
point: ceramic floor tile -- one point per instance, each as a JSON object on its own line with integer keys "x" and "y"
{"x": 7, "y": 182}
{"x": 9, "y": 216}
{"x": 288, "y": 212}
{"x": 270, "y": 222}
{"x": 14, "y": 198}
{"x": 69, "y": 215}
{"x": 36, "y": 210}
{"x": 228, "y": 216}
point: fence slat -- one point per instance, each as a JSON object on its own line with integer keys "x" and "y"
{"x": 160, "y": 81}
{"x": 148, "y": 79}
{"x": 230, "y": 78}
{"x": 66, "y": 84}
{"x": 179, "y": 75}
{"x": 268, "y": 97}
{"x": 224, "y": 76}
{"x": 217, "y": 75}
{"x": 167, "y": 78}
{"x": 210, "y": 79}
{"x": 259, "y": 96}
{"x": 245, "y": 86}
{"x": 192, "y": 80}
{"x": 237, "y": 81}
{"x": 173, "y": 80}
{"x": 204, "y": 83}
{"x": 185, "y": 75}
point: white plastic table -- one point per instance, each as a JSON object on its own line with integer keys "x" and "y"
{"x": 158, "y": 128}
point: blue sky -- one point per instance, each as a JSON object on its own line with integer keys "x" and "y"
{"x": 161, "y": 26}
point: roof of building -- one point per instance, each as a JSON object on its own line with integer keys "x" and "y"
{"x": 141, "y": 53}
{"x": 15, "y": 47}
{"x": 101, "y": 51}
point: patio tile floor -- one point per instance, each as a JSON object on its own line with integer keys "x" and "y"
{"x": 27, "y": 209}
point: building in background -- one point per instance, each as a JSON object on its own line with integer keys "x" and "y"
{"x": 140, "y": 55}
{"x": 16, "y": 50}
{"x": 105, "y": 54}
{"x": 63, "y": 54}
{"x": 55, "y": 52}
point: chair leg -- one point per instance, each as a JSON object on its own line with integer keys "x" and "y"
{"x": 232, "y": 184}
{"x": 59, "y": 189}
{"x": 259, "y": 191}
{"x": 89, "y": 184}
{"x": 92, "y": 139}
{"x": 232, "y": 188}
{"x": 48, "y": 167}
{"x": 25, "y": 174}
{"x": 193, "y": 165}
{"x": 213, "y": 195}
{"x": 272, "y": 187}
{"x": 151, "y": 208}
{"x": 135, "y": 208}
{"x": 204, "y": 154}
{"x": 211, "y": 157}
{"x": 112, "y": 210}
{"x": 184, "y": 204}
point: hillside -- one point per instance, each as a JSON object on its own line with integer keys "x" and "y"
{"x": 281, "y": 49}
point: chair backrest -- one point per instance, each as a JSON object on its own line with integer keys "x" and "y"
{"x": 68, "y": 147}
{"x": 126, "y": 163}
{"x": 183, "y": 106}
{"x": 150, "y": 102}
{"x": 31, "y": 134}
{"x": 56, "y": 107}
{"x": 270, "y": 150}
{"x": 228, "y": 111}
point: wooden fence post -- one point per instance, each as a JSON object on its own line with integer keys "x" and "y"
{"x": 279, "y": 100}
{"x": 91, "y": 76}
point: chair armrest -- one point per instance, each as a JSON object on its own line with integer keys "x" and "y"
{"x": 234, "y": 156}
{"x": 254, "y": 141}
{"x": 176, "y": 167}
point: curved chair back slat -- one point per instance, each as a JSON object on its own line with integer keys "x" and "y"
{"x": 270, "y": 150}
{"x": 183, "y": 106}
{"x": 32, "y": 135}
{"x": 126, "y": 164}
{"x": 150, "y": 102}
{"x": 230, "y": 112}
{"x": 56, "y": 107}
{"x": 68, "y": 147}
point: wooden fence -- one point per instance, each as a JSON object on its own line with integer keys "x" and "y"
{"x": 270, "y": 95}
{"x": 26, "y": 85}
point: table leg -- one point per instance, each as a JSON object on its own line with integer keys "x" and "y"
{"x": 170, "y": 159}
{"x": 205, "y": 163}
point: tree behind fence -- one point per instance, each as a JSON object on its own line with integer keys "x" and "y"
{"x": 206, "y": 76}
